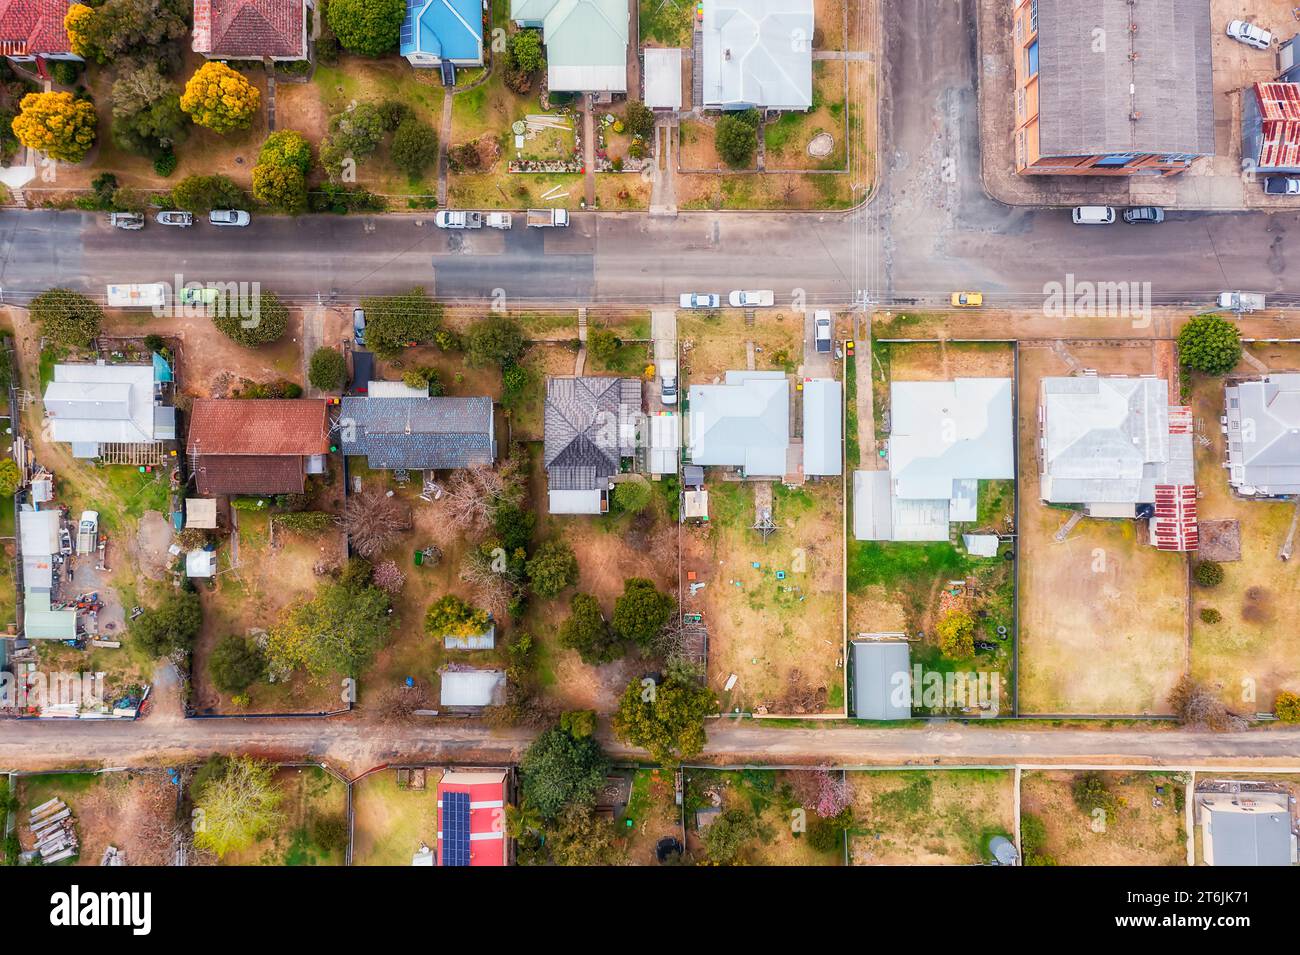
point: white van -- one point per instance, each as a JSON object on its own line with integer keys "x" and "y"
{"x": 1241, "y": 301}
{"x": 1094, "y": 215}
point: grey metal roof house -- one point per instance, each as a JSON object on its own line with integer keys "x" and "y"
{"x": 742, "y": 423}
{"x": 757, "y": 53}
{"x": 882, "y": 687}
{"x": 590, "y": 424}
{"x": 586, "y": 42}
{"x": 1263, "y": 429}
{"x": 425, "y": 434}
{"x": 1107, "y": 443}
{"x": 1241, "y": 829}
{"x": 1143, "y": 90}
{"x": 872, "y": 506}
{"x": 823, "y": 427}
{"x": 92, "y": 405}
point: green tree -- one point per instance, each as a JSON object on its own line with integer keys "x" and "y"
{"x": 640, "y": 119}
{"x": 134, "y": 29}
{"x": 353, "y": 135}
{"x": 552, "y": 568}
{"x": 666, "y": 719}
{"x": 57, "y": 124}
{"x": 641, "y": 612}
{"x": 67, "y": 318}
{"x": 558, "y": 770}
{"x": 582, "y": 838}
{"x": 451, "y": 616}
{"x": 238, "y": 805}
{"x": 730, "y": 835}
{"x": 337, "y": 632}
{"x": 632, "y": 497}
{"x": 286, "y": 149}
{"x": 956, "y": 631}
{"x": 1091, "y": 792}
{"x": 147, "y": 114}
{"x": 328, "y": 369}
{"x": 205, "y": 193}
{"x": 736, "y": 141}
{"x": 1209, "y": 344}
{"x": 171, "y": 626}
{"x": 395, "y": 321}
{"x": 1208, "y": 573}
{"x": 10, "y": 478}
{"x": 368, "y": 27}
{"x": 579, "y": 723}
{"x": 280, "y": 176}
{"x": 513, "y": 524}
{"x": 587, "y": 632}
{"x": 525, "y": 47}
{"x": 268, "y": 325}
{"x": 415, "y": 147}
{"x": 236, "y": 664}
{"x": 497, "y": 340}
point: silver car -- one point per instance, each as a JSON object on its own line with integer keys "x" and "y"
{"x": 234, "y": 217}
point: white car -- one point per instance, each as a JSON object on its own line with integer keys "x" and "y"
{"x": 1093, "y": 215}
{"x": 236, "y": 217}
{"x": 822, "y": 331}
{"x": 759, "y": 298}
{"x": 1249, "y": 34}
{"x": 700, "y": 300}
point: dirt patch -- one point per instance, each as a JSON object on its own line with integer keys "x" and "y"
{"x": 1220, "y": 541}
{"x": 135, "y": 812}
{"x": 948, "y": 361}
{"x": 653, "y": 813}
{"x": 152, "y": 539}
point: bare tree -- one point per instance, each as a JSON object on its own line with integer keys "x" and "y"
{"x": 1195, "y": 704}
{"x": 374, "y": 521}
{"x": 388, "y": 576}
{"x": 492, "y": 590}
{"x": 471, "y": 496}
{"x": 399, "y": 703}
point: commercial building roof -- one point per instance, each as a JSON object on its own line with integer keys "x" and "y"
{"x": 743, "y": 423}
{"x": 444, "y": 29}
{"x": 418, "y": 433}
{"x": 758, "y": 53}
{"x": 472, "y": 687}
{"x": 823, "y": 431}
{"x": 586, "y": 42}
{"x": 1148, "y": 88}
{"x": 1109, "y": 440}
{"x": 663, "y": 77}
{"x": 881, "y": 680}
{"x": 1264, "y": 435}
{"x": 251, "y": 28}
{"x": 102, "y": 404}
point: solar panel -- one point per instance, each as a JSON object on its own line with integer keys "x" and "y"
{"x": 408, "y": 24}
{"x": 455, "y": 828}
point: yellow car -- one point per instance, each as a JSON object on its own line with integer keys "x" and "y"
{"x": 967, "y": 299}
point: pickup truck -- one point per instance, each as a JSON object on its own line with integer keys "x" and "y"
{"x": 140, "y": 295}
{"x": 498, "y": 220}
{"x": 1241, "y": 301}
{"x": 449, "y": 219}
{"x": 88, "y": 533}
{"x": 126, "y": 220}
{"x": 544, "y": 218}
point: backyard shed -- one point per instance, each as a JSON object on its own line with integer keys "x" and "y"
{"x": 881, "y": 679}
{"x": 663, "y": 78}
{"x": 472, "y": 688}
{"x": 201, "y": 513}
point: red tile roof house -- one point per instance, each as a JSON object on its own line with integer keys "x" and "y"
{"x": 472, "y": 818}
{"x": 251, "y": 29}
{"x": 33, "y": 30}
{"x": 257, "y": 446}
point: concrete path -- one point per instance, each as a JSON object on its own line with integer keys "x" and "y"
{"x": 589, "y": 151}
{"x": 580, "y": 362}
{"x": 663, "y": 192}
{"x": 853, "y": 56}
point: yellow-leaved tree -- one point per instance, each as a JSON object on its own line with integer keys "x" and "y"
{"x": 238, "y": 804}
{"x": 77, "y": 24}
{"x": 56, "y": 124}
{"x": 220, "y": 98}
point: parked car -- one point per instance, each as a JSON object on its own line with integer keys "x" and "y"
{"x": 458, "y": 219}
{"x": 1241, "y": 301}
{"x": 759, "y": 298}
{"x": 668, "y": 381}
{"x": 359, "y": 326}
{"x": 1249, "y": 34}
{"x": 967, "y": 299}
{"x": 236, "y": 217}
{"x": 1282, "y": 185}
{"x": 1093, "y": 215}
{"x": 1140, "y": 214}
{"x": 126, "y": 220}
{"x": 822, "y": 332}
{"x": 176, "y": 218}
{"x": 700, "y": 300}
{"x": 88, "y": 533}
{"x": 198, "y": 296}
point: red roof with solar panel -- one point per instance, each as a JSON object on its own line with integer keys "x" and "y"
{"x": 472, "y": 818}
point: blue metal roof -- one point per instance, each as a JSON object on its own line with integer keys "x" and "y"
{"x": 451, "y": 29}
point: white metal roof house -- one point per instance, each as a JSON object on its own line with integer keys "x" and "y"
{"x": 471, "y": 688}
{"x": 1263, "y": 429}
{"x": 823, "y": 427}
{"x": 586, "y": 42}
{"x": 91, "y": 405}
{"x": 758, "y": 53}
{"x": 744, "y": 423}
{"x": 590, "y": 425}
{"x": 945, "y": 437}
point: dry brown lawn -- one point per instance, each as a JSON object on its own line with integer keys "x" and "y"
{"x": 713, "y": 342}
{"x": 133, "y": 811}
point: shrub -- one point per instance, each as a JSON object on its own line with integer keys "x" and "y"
{"x": 9, "y": 478}
{"x": 1208, "y": 573}
{"x": 368, "y": 27}
{"x": 957, "y": 634}
{"x": 236, "y": 664}
{"x": 328, "y": 369}
{"x": 1286, "y": 707}
{"x": 309, "y": 522}
{"x": 1209, "y": 344}
{"x": 205, "y": 193}
{"x": 495, "y": 341}
{"x": 169, "y": 627}
{"x": 165, "y": 164}
{"x": 736, "y": 141}
{"x": 464, "y": 158}
{"x": 415, "y": 147}
{"x": 640, "y": 119}
{"x": 603, "y": 345}
{"x": 65, "y": 72}
{"x": 1210, "y": 615}
{"x": 251, "y": 331}
{"x": 1091, "y": 792}
{"x": 220, "y": 98}
{"x": 632, "y": 497}
{"x": 66, "y": 318}
{"x": 1033, "y": 837}
{"x": 552, "y": 568}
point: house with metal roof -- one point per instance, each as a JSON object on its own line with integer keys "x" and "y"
{"x": 1262, "y": 424}
{"x": 94, "y": 407}
{"x": 757, "y": 53}
{"x": 418, "y": 434}
{"x": 251, "y": 29}
{"x": 1246, "y": 828}
{"x": 586, "y": 42}
{"x": 442, "y": 31}
{"x": 590, "y": 425}
{"x": 257, "y": 446}
{"x": 470, "y": 806}
{"x": 882, "y": 679}
{"x": 743, "y": 423}
{"x": 823, "y": 430}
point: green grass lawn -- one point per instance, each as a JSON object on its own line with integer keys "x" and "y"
{"x": 668, "y": 22}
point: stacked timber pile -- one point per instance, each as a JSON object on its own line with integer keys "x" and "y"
{"x": 55, "y": 831}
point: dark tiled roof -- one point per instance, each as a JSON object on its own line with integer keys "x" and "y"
{"x": 247, "y": 474}
{"x": 585, "y": 429}
{"x": 29, "y": 27}
{"x": 250, "y": 28}
{"x": 418, "y": 433}
{"x": 277, "y": 426}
